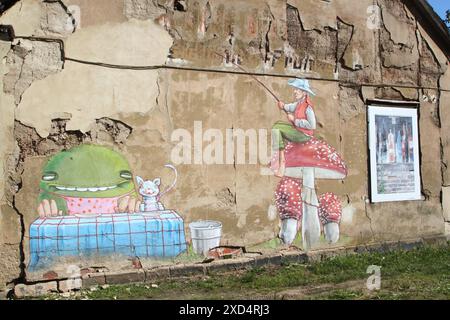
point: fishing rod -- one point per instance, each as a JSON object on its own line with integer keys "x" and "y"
{"x": 257, "y": 80}
{"x": 254, "y": 78}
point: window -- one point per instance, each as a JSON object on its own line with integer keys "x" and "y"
{"x": 394, "y": 154}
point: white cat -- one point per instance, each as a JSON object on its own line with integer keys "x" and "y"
{"x": 150, "y": 191}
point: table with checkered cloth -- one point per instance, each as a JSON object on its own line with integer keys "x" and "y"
{"x": 144, "y": 234}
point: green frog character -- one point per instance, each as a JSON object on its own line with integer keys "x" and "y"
{"x": 87, "y": 179}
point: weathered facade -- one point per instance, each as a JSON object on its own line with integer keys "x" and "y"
{"x": 128, "y": 73}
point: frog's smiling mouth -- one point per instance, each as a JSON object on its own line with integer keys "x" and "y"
{"x": 89, "y": 189}
{"x": 85, "y": 189}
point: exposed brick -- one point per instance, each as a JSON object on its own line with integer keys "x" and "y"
{"x": 93, "y": 279}
{"x": 157, "y": 274}
{"x": 33, "y": 290}
{"x": 46, "y": 287}
{"x": 293, "y": 257}
{"x": 272, "y": 259}
{"x": 187, "y": 270}
{"x": 230, "y": 265}
{"x": 69, "y": 285}
{"x": 125, "y": 277}
{"x": 22, "y": 290}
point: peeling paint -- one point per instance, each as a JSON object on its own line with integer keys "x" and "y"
{"x": 56, "y": 20}
{"x": 29, "y": 61}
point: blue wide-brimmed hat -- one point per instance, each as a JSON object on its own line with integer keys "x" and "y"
{"x": 301, "y": 84}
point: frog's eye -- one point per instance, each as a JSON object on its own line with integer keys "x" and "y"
{"x": 126, "y": 174}
{"x": 50, "y": 176}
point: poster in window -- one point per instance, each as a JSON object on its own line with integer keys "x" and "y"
{"x": 394, "y": 154}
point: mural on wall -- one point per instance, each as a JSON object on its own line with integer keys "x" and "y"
{"x": 91, "y": 204}
{"x": 394, "y": 154}
{"x": 299, "y": 159}
{"x": 88, "y": 205}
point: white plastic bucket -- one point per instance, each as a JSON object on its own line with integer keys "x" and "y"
{"x": 205, "y": 235}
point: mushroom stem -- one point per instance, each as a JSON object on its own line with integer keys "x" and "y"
{"x": 310, "y": 218}
{"x": 331, "y": 231}
{"x": 288, "y": 231}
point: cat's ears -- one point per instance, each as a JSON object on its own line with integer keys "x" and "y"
{"x": 140, "y": 181}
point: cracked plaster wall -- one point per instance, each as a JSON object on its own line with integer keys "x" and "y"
{"x": 49, "y": 104}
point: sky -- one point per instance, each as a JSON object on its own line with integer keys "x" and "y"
{"x": 440, "y": 6}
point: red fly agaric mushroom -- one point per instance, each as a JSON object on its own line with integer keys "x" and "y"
{"x": 314, "y": 159}
{"x": 330, "y": 212}
{"x": 289, "y": 206}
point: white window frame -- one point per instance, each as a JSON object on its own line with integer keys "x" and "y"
{"x": 374, "y": 110}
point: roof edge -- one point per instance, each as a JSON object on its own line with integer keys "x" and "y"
{"x": 6, "y": 4}
{"x": 431, "y": 22}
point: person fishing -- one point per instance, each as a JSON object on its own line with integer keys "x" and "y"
{"x": 302, "y": 120}
{"x": 301, "y": 125}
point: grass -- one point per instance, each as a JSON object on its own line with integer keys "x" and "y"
{"x": 422, "y": 273}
